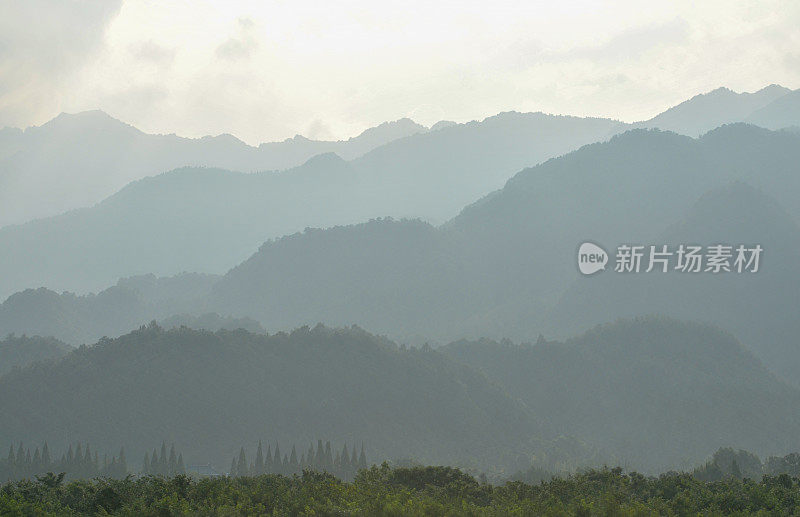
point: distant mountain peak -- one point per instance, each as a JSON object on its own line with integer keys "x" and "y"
{"x": 82, "y": 120}
{"x": 709, "y": 110}
{"x": 225, "y": 138}
{"x": 397, "y": 128}
{"x": 324, "y": 159}
{"x": 774, "y": 88}
{"x": 722, "y": 90}
{"x": 443, "y": 124}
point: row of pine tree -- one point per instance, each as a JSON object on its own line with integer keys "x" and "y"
{"x": 163, "y": 465}
{"x": 77, "y": 463}
{"x": 344, "y": 464}
{"x": 80, "y": 462}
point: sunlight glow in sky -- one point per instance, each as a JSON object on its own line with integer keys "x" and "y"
{"x": 267, "y": 70}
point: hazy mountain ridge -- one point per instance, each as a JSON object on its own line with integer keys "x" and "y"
{"x": 208, "y": 220}
{"x": 757, "y": 307}
{"x": 782, "y": 113}
{"x": 707, "y": 111}
{"x": 655, "y": 392}
{"x": 650, "y": 393}
{"x": 498, "y": 268}
{"x": 46, "y": 170}
{"x": 234, "y": 388}
{"x": 22, "y": 351}
{"x": 512, "y": 254}
{"x": 46, "y": 173}
{"x": 86, "y": 318}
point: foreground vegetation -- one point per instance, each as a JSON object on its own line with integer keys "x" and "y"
{"x": 404, "y": 491}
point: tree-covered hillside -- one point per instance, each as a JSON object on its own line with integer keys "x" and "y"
{"x": 500, "y": 267}
{"x": 651, "y": 394}
{"x": 406, "y": 491}
{"x": 497, "y": 268}
{"x": 759, "y": 308}
{"x": 18, "y": 352}
{"x": 82, "y": 319}
{"x": 655, "y": 392}
{"x": 211, "y": 393}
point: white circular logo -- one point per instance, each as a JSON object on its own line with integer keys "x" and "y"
{"x": 591, "y": 258}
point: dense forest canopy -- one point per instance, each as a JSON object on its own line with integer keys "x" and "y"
{"x": 651, "y": 394}
{"x": 656, "y": 393}
{"x": 18, "y": 352}
{"x": 233, "y": 388}
{"x": 382, "y": 490}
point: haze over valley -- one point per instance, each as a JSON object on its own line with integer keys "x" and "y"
{"x": 514, "y": 261}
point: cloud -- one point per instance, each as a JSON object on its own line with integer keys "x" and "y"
{"x": 152, "y": 52}
{"x": 243, "y": 44}
{"x": 42, "y": 44}
{"x": 632, "y": 42}
{"x": 266, "y": 70}
{"x": 137, "y": 98}
{"x": 318, "y": 130}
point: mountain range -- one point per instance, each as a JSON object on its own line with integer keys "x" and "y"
{"x": 651, "y": 394}
{"x": 253, "y": 266}
{"x": 46, "y": 170}
{"x": 654, "y": 393}
{"x": 210, "y": 393}
{"x": 505, "y": 266}
{"x": 758, "y": 307}
{"x": 209, "y": 219}
{"x": 702, "y": 113}
{"x": 500, "y": 266}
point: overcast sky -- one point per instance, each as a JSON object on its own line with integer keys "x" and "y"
{"x": 267, "y": 70}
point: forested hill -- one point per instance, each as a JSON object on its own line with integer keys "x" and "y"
{"x": 496, "y": 268}
{"x": 209, "y": 219}
{"x": 759, "y": 308}
{"x": 656, "y": 392}
{"x": 211, "y": 393}
{"x": 651, "y": 393}
{"x": 21, "y": 351}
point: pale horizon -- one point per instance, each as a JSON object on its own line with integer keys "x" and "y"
{"x": 359, "y": 132}
{"x": 265, "y": 72}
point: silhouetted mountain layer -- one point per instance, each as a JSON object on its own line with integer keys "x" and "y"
{"x": 77, "y": 160}
{"x": 209, "y": 393}
{"x": 47, "y": 169}
{"x": 722, "y": 106}
{"x": 496, "y": 267}
{"x": 208, "y": 220}
{"x": 658, "y": 393}
{"x": 651, "y": 393}
{"x": 760, "y": 308}
{"x": 782, "y": 113}
{"x": 19, "y": 352}
{"x": 499, "y": 268}
{"x": 84, "y": 319}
